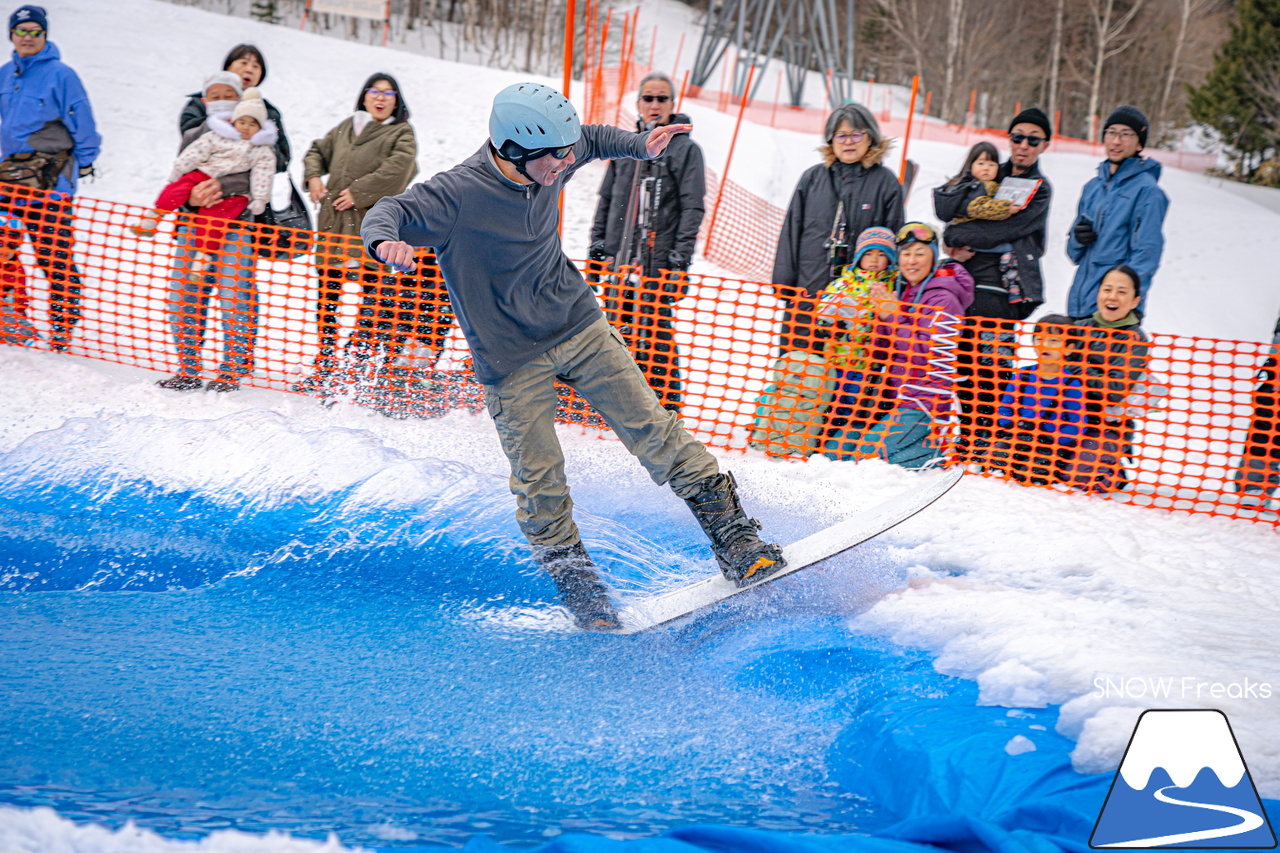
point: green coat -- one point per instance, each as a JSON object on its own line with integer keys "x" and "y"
{"x": 380, "y": 162}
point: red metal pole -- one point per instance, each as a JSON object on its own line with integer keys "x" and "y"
{"x": 906, "y": 137}
{"x": 570, "y": 19}
{"x": 724, "y": 176}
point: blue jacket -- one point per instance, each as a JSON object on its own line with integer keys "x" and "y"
{"x": 37, "y": 90}
{"x": 1127, "y": 210}
{"x": 1050, "y": 404}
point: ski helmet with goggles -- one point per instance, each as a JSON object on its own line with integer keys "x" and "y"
{"x": 530, "y": 120}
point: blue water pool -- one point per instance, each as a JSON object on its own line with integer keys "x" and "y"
{"x": 276, "y": 657}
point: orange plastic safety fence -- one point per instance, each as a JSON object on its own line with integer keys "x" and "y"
{"x": 1186, "y": 424}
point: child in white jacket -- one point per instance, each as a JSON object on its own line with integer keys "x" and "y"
{"x": 245, "y": 144}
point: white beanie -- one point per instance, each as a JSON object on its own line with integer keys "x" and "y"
{"x": 226, "y": 78}
{"x": 251, "y": 105}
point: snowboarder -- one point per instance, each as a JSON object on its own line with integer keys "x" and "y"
{"x": 530, "y": 319}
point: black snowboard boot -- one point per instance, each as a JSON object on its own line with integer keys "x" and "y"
{"x": 581, "y": 589}
{"x": 744, "y": 558}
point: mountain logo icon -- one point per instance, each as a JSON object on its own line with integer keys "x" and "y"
{"x": 1183, "y": 783}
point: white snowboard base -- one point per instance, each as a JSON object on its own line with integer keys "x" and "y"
{"x": 812, "y": 549}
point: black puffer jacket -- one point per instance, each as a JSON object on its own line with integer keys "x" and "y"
{"x": 1024, "y": 231}
{"x": 678, "y": 189}
{"x": 871, "y": 196}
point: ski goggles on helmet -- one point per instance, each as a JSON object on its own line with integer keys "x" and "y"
{"x": 517, "y": 153}
{"x": 916, "y": 232}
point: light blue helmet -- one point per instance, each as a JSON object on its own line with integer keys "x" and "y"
{"x": 531, "y": 116}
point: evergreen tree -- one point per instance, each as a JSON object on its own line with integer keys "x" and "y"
{"x": 1232, "y": 100}
{"x": 266, "y": 10}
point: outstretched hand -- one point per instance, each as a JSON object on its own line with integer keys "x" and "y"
{"x": 660, "y": 137}
{"x": 398, "y": 254}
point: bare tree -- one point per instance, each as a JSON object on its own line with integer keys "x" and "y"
{"x": 1055, "y": 59}
{"x": 1109, "y": 40}
{"x": 1187, "y": 11}
{"x": 955, "y": 21}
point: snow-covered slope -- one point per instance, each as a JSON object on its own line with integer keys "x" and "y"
{"x": 1037, "y": 596}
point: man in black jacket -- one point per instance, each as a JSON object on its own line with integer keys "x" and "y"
{"x": 1003, "y": 256}
{"x": 648, "y": 219}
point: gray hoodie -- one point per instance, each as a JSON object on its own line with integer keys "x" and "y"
{"x": 515, "y": 293}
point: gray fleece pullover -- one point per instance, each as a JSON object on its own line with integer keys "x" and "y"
{"x": 514, "y": 292}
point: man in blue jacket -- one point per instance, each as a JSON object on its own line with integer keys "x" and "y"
{"x": 1120, "y": 219}
{"x": 530, "y": 319}
{"x": 47, "y": 141}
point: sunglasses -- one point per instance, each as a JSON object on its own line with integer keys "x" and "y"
{"x": 381, "y": 93}
{"x": 1033, "y": 141}
{"x": 918, "y": 232}
{"x": 649, "y": 99}
{"x": 22, "y": 33}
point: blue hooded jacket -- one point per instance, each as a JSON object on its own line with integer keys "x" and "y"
{"x": 1127, "y": 210}
{"x": 37, "y": 90}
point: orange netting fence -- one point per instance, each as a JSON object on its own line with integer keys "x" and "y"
{"x": 1180, "y": 423}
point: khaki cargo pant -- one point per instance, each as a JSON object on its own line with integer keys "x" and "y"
{"x": 596, "y": 364}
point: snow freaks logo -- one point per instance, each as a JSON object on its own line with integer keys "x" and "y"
{"x": 1183, "y": 783}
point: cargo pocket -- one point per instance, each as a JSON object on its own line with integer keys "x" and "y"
{"x": 492, "y": 402}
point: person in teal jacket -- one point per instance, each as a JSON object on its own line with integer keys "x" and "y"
{"x": 48, "y": 140}
{"x": 1120, "y": 219}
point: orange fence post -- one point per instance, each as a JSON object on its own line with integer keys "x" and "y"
{"x": 653, "y": 47}
{"x": 906, "y": 137}
{"x": 675, "y": 66}
{"x": 1057, "y": 122}
{"x": 777, "y": 93}
{"x": 871, "y": 84}
{"x": 684, "y": 84}
{"x": 569, "y": 22}
{"x": 724, "y": 176}
{"x": 598, "y": 101}
{"x": 968, "y": 119}
{"x": 627, "y": 24}
{"x": 826, "y": 91}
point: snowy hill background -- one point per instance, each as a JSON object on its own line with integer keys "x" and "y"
{"x": 1032, "y": 594}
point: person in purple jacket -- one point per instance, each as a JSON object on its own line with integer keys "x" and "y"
{"x": 530, "y": 319}
{"x": 916, "y": 340}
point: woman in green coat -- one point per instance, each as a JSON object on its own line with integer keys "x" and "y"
{"x": 368, "y": 156}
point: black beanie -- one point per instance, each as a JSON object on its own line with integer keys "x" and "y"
{"x": 1130, "y": 117}
{"x": 1036, "y": 116}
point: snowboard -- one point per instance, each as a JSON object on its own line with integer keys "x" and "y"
{"x": 809, "y": 551}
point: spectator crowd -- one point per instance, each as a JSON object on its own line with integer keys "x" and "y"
{"x": 894, "y": 339}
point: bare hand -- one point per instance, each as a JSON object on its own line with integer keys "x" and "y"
{"x": 206, "y": 193}
{"x": 316, "y": 189}
{"x": 879, "y": 291}
{"x": 660, "y": 137}
{"x": 960, "y": 253}
{"x": 344, "y": 201}
{"x": 398, "y": 254}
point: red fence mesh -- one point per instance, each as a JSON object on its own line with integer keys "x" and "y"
{"x": 1179, "y": 423}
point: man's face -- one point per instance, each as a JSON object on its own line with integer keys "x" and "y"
{"x": 28, "y": 39}
{"x": 1120, "y": 142}
{"x": 220, "y": 92}
{"x": 660, "y": 104}
{"x": 546, "y": 169}
{"x": 1026, "y": 143}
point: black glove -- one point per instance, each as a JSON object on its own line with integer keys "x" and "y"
{"x": 88, "y": 171}
{"x": 1083, "y": 232}
{"x": 677, "y": 262}
{"x": 597, "y": 253}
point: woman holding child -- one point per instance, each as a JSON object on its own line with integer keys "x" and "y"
{"x": 197, "y": 271}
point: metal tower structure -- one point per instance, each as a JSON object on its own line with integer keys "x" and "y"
{"x": 803, "y": 34}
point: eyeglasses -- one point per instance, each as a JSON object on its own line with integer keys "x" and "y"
{"x": 918, "y": 232}
{"x": 1122, "y": 135}
{"x": 1033, "y": 141}
{"x": 846, "y": 138}
{"x": 22, "y": 33}
{"x": 380, "y": 93}
{"x": 649, "y": 99}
